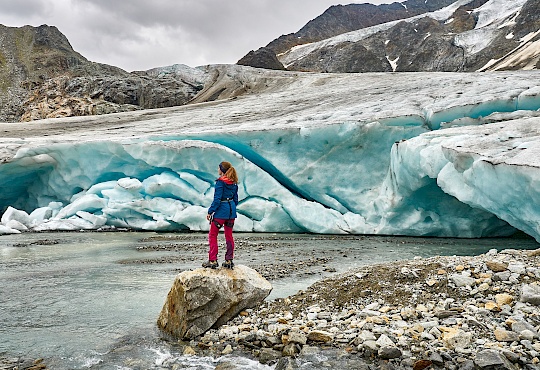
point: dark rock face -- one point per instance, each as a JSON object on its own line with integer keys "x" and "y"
{"x": 345, "y": 18}
{"x": 41, "y": 76}
{"x": 511, "y": 53}
{"x": 262, "y": 58}
{"x": 455, "y": 44}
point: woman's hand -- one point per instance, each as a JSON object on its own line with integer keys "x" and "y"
{"x": 208, "y": 216}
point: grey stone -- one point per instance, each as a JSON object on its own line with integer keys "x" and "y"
{"x": 462, "y": 281}
{"x": 268, "y": 355}
{"x": 324, "y": 316}
{"x": 491, "y": 359}
{"x": 517, "y": 268}
{"x": 436, "y": 358}
{"x": 296, "y": 337}
{"x": 530, "y": 293}
{"x": 290, "y": 349}
{"x": 511, "y": 356}
{"x": 385, "y": 341}
{"x": 286, "y": 363}
{"x": 467, "y": 365}
{"x": 389, "y": 352}
{"x": 366, "y": 335}
{"x": 220, "y": 366}
{"x": 527, "y": 334}
{"x": 502, "y": 276}
{"x": 205, "y": 298}
{"x": 309, "y": 350}
{"x": 370, "y": 345}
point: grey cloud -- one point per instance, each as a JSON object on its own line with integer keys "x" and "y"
{"x": 24, "y": 8}
{"x": 142, "y": 34}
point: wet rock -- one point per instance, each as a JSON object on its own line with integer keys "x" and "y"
{"x": 268, "y": 355}
{"x": 467, "y": 365}
{"x": 290, "y": 349}
{"x": 436, "y": 358}
{"x": 189, "y": 351}
{"x": 421, "y": 364}
{"x": 309, "y": 350}
{"x": 286, "y": 363}
{"x": 204, "y": 298}
{"x": 491, "y": 359}
{"x": 227, "y": 350}
{"x": 389, "y": 352}
{"x": 224, "y": 366}
{"x": 296, "y": 337}
{"x": 531, "y": 294}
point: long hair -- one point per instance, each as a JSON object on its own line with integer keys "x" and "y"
{"x": 229, "y": 172}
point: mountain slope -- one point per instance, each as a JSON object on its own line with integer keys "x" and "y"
{"x": 43, "y": 77}
{"x": 466, "y": 36}
{"x": 341, "y": 19}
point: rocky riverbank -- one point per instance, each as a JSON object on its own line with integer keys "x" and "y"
{"x": 453, "y": 312}
{"x": 19, "y": 363}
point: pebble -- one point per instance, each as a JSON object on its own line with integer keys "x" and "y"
{"x": 464, "y": 312}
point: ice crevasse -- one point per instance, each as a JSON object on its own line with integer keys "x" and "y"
{"x": 448, "y": 162}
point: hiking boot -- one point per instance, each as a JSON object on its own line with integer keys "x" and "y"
{"x": 228, "y": 264}
{"x": 210, "y": 264}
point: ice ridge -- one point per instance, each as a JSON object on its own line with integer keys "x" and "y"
{"x": 340, "y": 164}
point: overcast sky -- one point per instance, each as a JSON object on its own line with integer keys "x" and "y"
{"x": 143, "y": 34}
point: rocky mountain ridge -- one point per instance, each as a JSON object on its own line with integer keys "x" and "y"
{"x": 467, "y": 35}
{"x": 339, "y": 19}
{"x": 43, "y": 77}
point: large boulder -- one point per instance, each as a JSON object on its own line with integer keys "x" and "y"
{"x": 206, "y": 298}
{"x": 262, "y": 58}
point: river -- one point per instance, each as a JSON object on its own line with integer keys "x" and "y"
{"x": 90, "y": 300}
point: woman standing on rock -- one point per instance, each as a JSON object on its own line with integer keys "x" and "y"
{"x": 222, "y": 212}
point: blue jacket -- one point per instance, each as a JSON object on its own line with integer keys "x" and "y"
{"x": 225, "y": 199}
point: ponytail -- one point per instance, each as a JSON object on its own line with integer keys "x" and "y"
{"x": 229, "y": 171}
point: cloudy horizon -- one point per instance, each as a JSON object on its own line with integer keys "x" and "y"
{"x": 139, "y": 35}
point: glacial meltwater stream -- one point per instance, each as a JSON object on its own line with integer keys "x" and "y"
{"x": 91, "y": 300}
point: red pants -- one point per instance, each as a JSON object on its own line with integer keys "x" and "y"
{"x": 212, "y": 239}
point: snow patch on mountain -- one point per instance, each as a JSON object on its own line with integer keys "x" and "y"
{"x": 300, "y": 51}
{"x": 493, "y": 17}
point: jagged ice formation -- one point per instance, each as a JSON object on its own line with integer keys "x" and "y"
{"x": 437, "y": 154}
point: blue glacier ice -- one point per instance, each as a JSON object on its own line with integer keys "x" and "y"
{"x": 439, "y": 154}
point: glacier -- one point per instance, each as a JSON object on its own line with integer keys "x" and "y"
{"x": 425, "y": 154}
